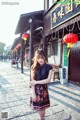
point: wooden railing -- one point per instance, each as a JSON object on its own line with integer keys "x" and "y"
{"x": 55, "y": 74}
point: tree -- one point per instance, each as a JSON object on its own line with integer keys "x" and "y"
{"x": 2, "y": 45}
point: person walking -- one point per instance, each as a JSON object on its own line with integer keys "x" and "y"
{"x": 41, "y": 73}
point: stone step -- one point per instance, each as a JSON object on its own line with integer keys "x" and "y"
{"x": 64, "y": 97}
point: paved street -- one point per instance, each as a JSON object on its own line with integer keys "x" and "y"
{"x": 15, "y": 94}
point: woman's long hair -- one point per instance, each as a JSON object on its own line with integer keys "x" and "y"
{"x": 38, "y": 54}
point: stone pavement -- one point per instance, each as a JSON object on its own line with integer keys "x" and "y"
{"x": 15, "y": 94}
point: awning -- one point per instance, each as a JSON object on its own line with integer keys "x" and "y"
{"x": 23, "y": 24}
{"x": 16, "y": 42}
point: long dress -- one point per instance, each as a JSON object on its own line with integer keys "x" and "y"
{"x": 41, "y": 90}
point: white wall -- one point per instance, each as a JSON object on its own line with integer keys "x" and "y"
{"x": 55, "y": 59}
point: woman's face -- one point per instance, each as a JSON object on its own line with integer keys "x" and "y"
{"x": 40, "y": 61}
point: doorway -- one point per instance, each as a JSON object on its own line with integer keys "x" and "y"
{"x": 74, "y": 64}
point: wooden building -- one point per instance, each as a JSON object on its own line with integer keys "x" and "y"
{"x": 60, "y": 18}
{"x": 31, "y": 24}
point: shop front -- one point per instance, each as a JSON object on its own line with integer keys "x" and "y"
{"x": 29, "y": 28}
{"x": 60, "y": 19}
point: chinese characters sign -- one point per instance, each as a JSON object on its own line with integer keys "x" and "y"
{"x": 65, "y": 11}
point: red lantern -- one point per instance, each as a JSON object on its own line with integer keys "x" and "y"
{"x": 15, "y": 49}
{"x": 25, "y": 36}
{"x": 18, "y": 46}
{"x": 70, "y": 38}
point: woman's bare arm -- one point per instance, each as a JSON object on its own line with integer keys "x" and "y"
{"x": 44, "y": 81}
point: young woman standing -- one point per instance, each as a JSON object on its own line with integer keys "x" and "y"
{"x": 41, "y": 74}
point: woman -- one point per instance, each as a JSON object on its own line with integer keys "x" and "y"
{"x": 41, "y": 74}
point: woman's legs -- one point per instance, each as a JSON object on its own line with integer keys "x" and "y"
{"x": 42, "y": 114}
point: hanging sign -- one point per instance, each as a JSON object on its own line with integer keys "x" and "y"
{"x": 65, "y": 10}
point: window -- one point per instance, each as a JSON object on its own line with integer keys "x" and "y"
{"x": 54, "y": 1}
{"x": 45, "y": 4}
{"x": 49, "y": 3}
{"x": 49, "y": 50}
{"x": 55, "y": 47}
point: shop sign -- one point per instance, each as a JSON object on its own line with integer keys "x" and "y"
{"x": 65, "y": 10}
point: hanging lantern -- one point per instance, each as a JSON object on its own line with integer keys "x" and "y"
{"x": 70, "y": 39}
{"x": 18, "y": 46}
{"x": 25, "y": 37}
{"x": 14, "y": 50}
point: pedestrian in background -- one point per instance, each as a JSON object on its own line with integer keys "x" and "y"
{"x": 41, "y": 73}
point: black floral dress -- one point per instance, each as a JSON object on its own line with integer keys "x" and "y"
{"x": 41, "y": 90}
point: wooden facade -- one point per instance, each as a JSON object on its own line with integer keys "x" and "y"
{"x": 60, "y": 18}
{"x": 32, "y": 24}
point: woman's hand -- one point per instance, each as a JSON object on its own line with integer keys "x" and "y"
{"x": 34, "y": 98}
{"x": 33, "y": 82}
